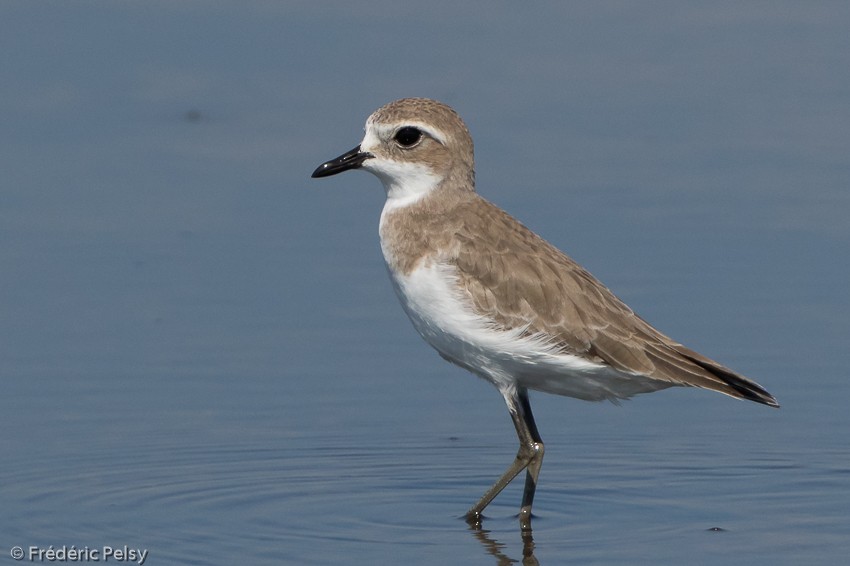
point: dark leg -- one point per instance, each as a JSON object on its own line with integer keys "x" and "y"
{"x": 532, "y": 471}
{"x": 529, "y": 458}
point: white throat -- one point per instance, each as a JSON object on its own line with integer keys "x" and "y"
{"x": 404, "y": 182}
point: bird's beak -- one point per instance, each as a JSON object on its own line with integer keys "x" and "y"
{"x": 349, "y": 160}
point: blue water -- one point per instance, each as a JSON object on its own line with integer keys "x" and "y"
{"x": 200, "y": 351}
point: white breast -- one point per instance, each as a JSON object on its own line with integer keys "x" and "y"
{"x": 444, "y": 316}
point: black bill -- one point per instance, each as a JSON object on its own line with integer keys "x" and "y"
{"x": 349, "y": 160}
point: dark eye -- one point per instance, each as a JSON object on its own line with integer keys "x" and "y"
{"x": 408, "y": 136}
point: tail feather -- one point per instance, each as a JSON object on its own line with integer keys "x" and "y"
{"x": 743, "y": 387}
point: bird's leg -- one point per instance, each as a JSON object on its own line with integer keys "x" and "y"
{"x": 529, "y": 457}
{"x": 532, "y": 470}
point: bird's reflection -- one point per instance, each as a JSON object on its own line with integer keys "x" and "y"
{"x": 496, "y": 548}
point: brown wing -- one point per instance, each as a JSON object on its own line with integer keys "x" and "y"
{"x": 521, "y": 281}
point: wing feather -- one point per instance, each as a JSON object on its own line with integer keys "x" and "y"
{"x": 517, "y": 279}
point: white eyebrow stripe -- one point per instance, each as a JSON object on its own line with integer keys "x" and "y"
{"x": 386, "y": 130}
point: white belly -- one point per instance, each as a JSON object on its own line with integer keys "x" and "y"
{"x": 444, "y": 317}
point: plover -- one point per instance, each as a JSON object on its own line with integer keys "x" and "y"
{"x": 493, "y": 297}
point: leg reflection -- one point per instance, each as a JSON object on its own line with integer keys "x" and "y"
{"x": 497, "y": 549}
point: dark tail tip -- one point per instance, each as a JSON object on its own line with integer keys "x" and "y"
{"x": 745, "y": 388}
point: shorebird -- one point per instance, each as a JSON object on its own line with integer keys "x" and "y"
{"x": 493, "y": 297}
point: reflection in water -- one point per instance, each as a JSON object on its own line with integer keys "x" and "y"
{"x": 496, "y": 548}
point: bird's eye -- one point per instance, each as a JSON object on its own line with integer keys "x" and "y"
{"x": 408, "y": 136}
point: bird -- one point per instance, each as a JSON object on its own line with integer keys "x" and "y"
{"x": 491, "y": 296}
